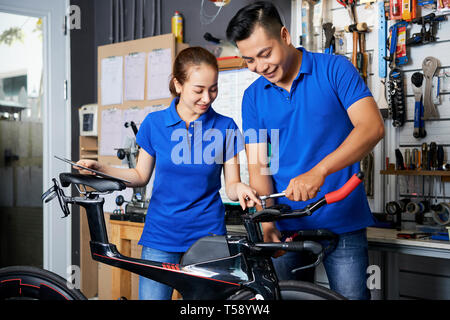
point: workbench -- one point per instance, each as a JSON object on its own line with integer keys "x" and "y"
{"x": 123, "y": 232}
{"x": 386, "y": 239}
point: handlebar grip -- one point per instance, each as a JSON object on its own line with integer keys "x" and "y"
{"x": 298, "y": 246}
{"x": 346, "y": 189}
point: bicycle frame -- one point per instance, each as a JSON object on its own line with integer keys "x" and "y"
{"x": 247, "y": 264}
{"x": 216, "y": 279}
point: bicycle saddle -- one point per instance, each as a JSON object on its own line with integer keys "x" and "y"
{"x": 97, "y": 183}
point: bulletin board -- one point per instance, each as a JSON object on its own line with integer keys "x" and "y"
{"x": 234, "y": 78}
{"x": 125, "y": 91}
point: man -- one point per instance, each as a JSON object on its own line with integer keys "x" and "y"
{"x": 327, "y": 121}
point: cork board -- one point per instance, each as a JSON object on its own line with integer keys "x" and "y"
{"x": 123, "y": 49}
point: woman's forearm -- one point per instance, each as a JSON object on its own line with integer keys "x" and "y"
{"x": 132, "y": 175}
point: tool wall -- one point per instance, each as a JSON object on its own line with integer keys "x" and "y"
{"x": 399, "y": 123}
{"x": 422, "y": 194}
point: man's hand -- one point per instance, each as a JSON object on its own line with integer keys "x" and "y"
{"x": 305, "y": 186}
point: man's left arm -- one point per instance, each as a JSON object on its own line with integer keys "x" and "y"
{"x": 367, "y": 132}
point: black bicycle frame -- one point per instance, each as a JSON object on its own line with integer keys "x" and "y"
{"x": 218, "y": 278}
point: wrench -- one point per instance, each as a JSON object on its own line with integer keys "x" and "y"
{"x": 419, "y": 130}
{"x": 429, "y": 66}
{"x": 264, "y": 198}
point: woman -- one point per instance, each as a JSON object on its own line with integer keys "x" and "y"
{"x": 187, "y": 145}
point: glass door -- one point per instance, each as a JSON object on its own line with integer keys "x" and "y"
{"x": 21, "y": 140}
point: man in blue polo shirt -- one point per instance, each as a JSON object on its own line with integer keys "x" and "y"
{"x": 326, "y": 121}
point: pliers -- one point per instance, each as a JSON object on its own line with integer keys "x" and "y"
{"x": 415, "y": 235}
{"x": 349, "y": 5}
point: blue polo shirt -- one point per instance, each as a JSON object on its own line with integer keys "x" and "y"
{"x": 185, "y": 203}
{"x": 304, "y": 126}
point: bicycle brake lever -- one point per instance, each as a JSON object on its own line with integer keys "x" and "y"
{"x": 312, "y": 265}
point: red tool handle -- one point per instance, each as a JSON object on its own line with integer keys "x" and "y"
{"x": 346, "y": 189}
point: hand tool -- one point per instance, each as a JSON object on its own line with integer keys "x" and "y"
{"x": 425, "y": 35}
{"x": 419, "y": 160}
{"x": 270, "y": 196}
{"x": 363, "y": 56}
{"x": 366, "y": 165}
{"x": 399, "y": 160}
{"x": 349, "y": 5}
{"x": 416, "y": 158}
{"x": 355, "y": 28}
{"x": 415, "y": 235}
{"x": 424, "y": 161}
{"x": 432, "y": 156}
{"x": 381, "y": 101}
{"x": 408, "y": 159}
{"x": 396, "y": 97}
{"x": 419, "y": 123}
{"x": 330, "y": 43}
{"x": 429, "y": 67}
{"x": 397, "y": 51}
{"x": 440, "y": 157}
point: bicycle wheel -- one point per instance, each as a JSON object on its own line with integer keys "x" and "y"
{"x": 295, "y": 290}
{"x": 31, "y": 283}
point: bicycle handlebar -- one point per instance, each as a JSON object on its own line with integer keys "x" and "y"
{"x": 307, "y": 245}
{"x": 345, "y": 190}
{"x": 274, "y": 213}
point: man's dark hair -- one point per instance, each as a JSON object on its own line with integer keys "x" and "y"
{"x": 260, "y": 13}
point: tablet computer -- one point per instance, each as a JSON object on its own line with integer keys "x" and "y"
{"x": 101, "y": 174}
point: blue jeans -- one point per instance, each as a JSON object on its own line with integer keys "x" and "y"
{"x": 346, "y": 266}
{"x": 153, "y": 290}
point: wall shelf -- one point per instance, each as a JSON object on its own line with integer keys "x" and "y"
{"x": 445, "y": 175}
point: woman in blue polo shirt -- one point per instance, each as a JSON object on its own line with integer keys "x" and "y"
{"x": 186, "y": 145}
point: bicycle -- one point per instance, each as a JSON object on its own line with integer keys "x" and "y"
{"x": 215, "y": 267}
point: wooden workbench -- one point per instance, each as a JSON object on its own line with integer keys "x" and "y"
{"x": 122, "y": 233}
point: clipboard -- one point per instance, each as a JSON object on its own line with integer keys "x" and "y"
{"x": 101, "y": 174}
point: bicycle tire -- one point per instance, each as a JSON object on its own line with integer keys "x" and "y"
{"x": 294, "y": 290}
{"x": 31, "y": 283}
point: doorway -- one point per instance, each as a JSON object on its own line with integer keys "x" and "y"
{"x": 20, "y": 140}
{"x": 34, "y": 126}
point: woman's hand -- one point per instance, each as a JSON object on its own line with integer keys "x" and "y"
{"x": 92, "y": 164}
{"x": 246, "y": 196}
{"x": 272, "y": 234}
